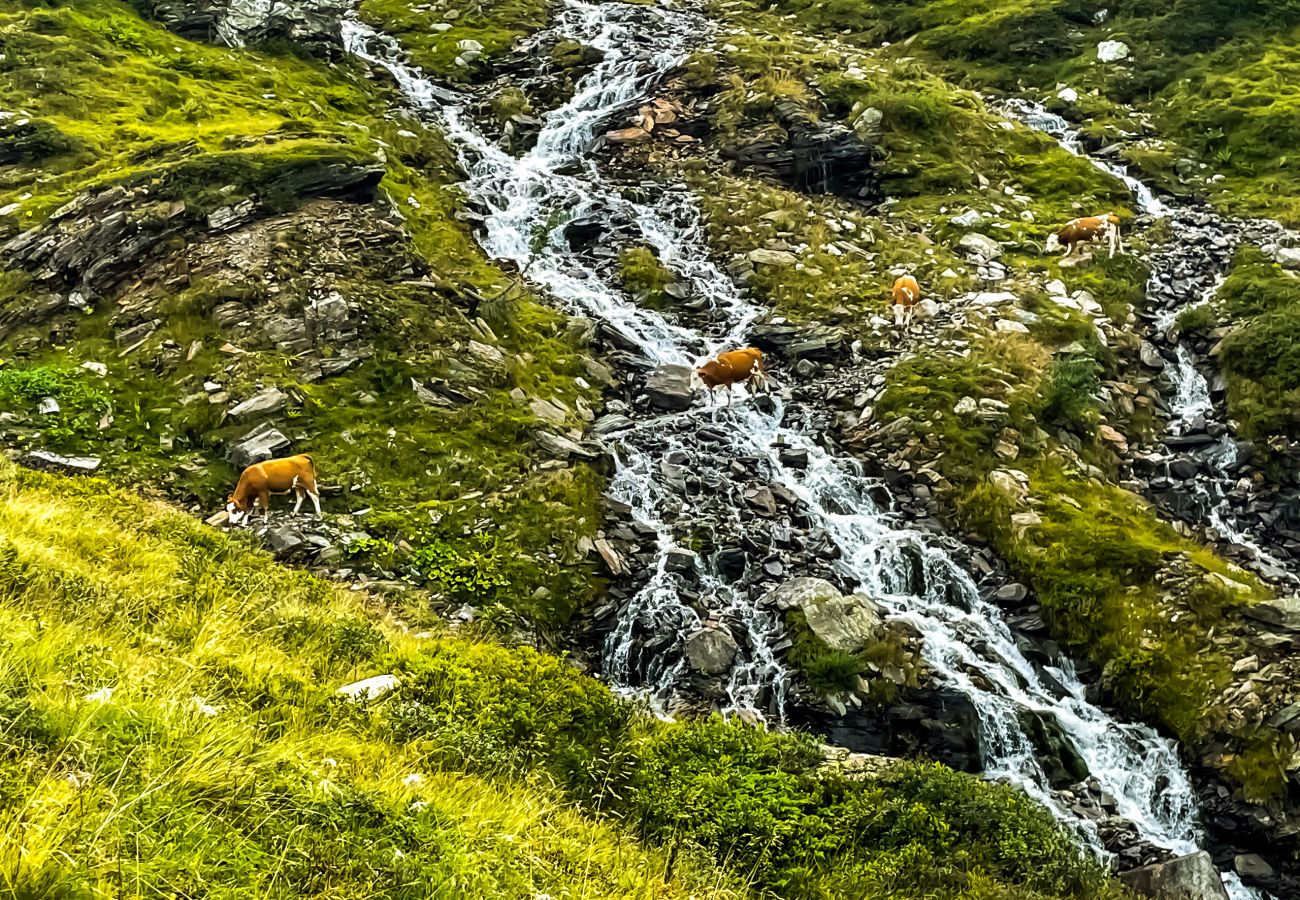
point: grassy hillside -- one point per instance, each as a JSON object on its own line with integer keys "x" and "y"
{"x": 1217, "y": 81}
{"x": 109, "y": 101}
{"x": 171, "y": 725}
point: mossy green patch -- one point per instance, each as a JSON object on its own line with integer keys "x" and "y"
{"x": 129, "y": 99}
{"x": 644, "y": 276}
{"x": 208, "y": 127}
{"x": 1217, "y": 82}
{"x": 433, "y": 33}
{"x": 1260, "y": 302}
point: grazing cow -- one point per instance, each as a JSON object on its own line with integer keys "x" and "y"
{"x": 275, "y": 476}
{"x": 906, "y": 293}
{"x": 1086, "y": 230}
{"x": 731, "y": 367}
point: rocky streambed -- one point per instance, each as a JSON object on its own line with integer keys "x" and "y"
{"x": 740, "y": 537}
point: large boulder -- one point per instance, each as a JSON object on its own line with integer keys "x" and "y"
{"x": 711, "y": 651}
{"x": 262, "y": 403}
{"x": 846, "y": 623}
{"x": 1288, "y": 257}
{"x": 669, "y": 388}
{"x": 980, "y": 246}
{"x": 1191, "y": 877}
{"x": 796, "y": 592}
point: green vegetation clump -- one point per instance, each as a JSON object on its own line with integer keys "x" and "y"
{"x": 168, "y": 688}
{"x": 1096, "y": 556}
{"x": 1261, "y": 302}
{"x": 1117, "y": 585}
{"x": 645, "y": 277}
{"x": 432, "y": 32}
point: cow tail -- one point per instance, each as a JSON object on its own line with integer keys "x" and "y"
{"x": 311, "y": 462}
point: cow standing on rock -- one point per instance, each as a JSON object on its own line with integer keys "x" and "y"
{"x": 275, "y": 476}
{"x": 731, "y": 367}
{"x": 1086, "y": 230}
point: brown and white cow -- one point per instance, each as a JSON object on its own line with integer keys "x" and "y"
{"x": 906, "y": 293}
{"x": 1087, "y": 230}
{"x": 274, "y": 476}
{"x": 730, "y": 368}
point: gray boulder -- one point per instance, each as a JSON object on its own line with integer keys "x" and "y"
{"x": 980, "y": 246}
{"x": 1288, "y": 257}
{"x": 710, "y": 651}
{"x": 262, "y": 443}
{"x": 56, "y": 462}
{"x": 669, "y": 388}
{"x": 1191, "y": 877}
{"x": 798, "y": 591}
{"x": 846, "y": 623}
{"x": 262, "y": 403}
{"x": 842, "y": 622}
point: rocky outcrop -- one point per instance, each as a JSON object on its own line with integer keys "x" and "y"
{"x": 104, "y": 236}
{"x": 238, "y": 23}
{"x": 820, "y": 157}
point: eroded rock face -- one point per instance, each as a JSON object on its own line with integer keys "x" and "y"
{"x": 103, "y": 237}
{"x": 239, "y": 23}
{"x": 820, "y": 157}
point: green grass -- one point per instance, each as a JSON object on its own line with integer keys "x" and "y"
{"x": 170, "y": 724}
{"x": 129, "y": 100}
{"x": 208, "y": 126}
{"x": 1098, "y": 557}
{"x": 495, "y": 24}
{"x": 1261, "y": 302}
{"x": 643, "y": 276}
{"x": 1219, "y": 82}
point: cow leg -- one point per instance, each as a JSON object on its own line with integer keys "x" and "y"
{"x": 315, "y": 501}
{"x": 298, "y": 493}
{"x": 264, "y": 498}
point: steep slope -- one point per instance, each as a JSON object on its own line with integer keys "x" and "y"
{"x": 214, "y": 228}
{"x": 242, "y": 253}
{"x": 173, "y": 720}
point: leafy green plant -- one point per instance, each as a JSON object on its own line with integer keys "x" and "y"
{"x": 469, "y": 570}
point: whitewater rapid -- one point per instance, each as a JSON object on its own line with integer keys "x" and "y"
{"x": 965, "y": 639}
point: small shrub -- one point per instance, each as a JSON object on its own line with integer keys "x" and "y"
{"x": 1068, "y": 393}
{"x": 468, "y": 571}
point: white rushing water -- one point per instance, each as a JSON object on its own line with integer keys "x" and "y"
{"x": 1191, "y": 399}
{"x": 965, "y": 638}
{"x": 1039, "y": 119}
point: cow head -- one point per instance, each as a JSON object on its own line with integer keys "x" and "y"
{"x": 1053, "y": 243}
{"x": 697, "y": 383}
{"x": 236, "y": 512}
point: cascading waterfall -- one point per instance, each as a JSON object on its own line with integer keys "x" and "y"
{"x": 965, "y": 640}
{"x": 1191, "y": 405}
